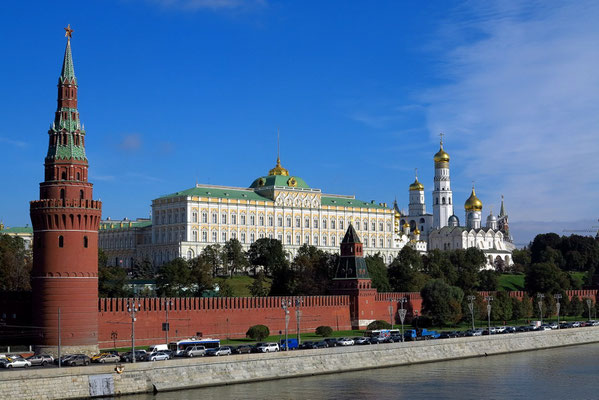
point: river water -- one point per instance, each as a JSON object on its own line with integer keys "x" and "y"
{"x": 562, "y": 373}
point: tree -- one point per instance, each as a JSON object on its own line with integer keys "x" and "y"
{"x": 576, "y": 307}
{"x": 378, "y": 272}
{"x": 212, "y": 255}
{"x": 174, "y": 279}
{"x": 283, "y": 280}
{"x": 437, "y": 265}
{"x": 405, "y": 271}
{"x": 541, "y": 243}
{"x": 312, "y": 271}
{"x": 143, "y": 269}
{"x": 267, "y": 253}
{"x": 488, "y": 280}
{"x": 545, "y": 278}
{"x": 468, "y": 263}
{"x": 234, "y": 258}
{"x": 324, "y": 331}
{"x": 441, "y": 302}
{"x": 502, "y": 309}
{"x": 15, "y": 264}
{"x": 259, "y": 287}
{"x": 517, "y": 310}
{"x": 258, "y": 332}
{"x": 378, "y": 324}
{"x": 224, "y": 288}
{"x": 521, "y": 258}
{"x": 526, "y": 307}
{"x": 111, "y": 282}
{"x": 201, "y": 274}
{"x": 102, "y": 258}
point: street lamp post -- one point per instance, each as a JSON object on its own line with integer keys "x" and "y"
{"x": 133, "y": 308}
{"x": 167, "y": 305}
{"x": 402, "y": 314}
{"x": 471, "y": 308}
{"x": 59, "y": 340}
{"x": 589, "y": 303}
{"x": 391, "y": 312}
{"x": 298, "y": 315}
{"x": 557, "y": 307}
{"x": 541, "y": 296}
{"x": 489, "y": 299}
{"x": 285, "y": 304}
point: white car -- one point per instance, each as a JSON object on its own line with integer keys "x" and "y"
{"x": 159, "y": 356}
{"x": 268, "y": 347}
{"x": 345, "y": 342}
{"x": 16, "y": 362}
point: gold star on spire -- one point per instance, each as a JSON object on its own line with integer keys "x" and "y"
{"x": 69, "y": 32}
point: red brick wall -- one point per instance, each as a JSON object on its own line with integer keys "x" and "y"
{"x": 214, "y": 317}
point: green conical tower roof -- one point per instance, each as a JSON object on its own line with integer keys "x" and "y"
{"x": 68, "y": 70}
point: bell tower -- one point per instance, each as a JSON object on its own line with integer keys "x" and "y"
{"x": 65, "y": 227}
{"x": 352, "y": 279}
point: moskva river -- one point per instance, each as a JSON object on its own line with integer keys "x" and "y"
{"x": 563, "y": 373}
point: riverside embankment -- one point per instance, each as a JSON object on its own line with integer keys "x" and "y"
{"x": 81, "y": 382}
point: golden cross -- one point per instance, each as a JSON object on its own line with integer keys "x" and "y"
{"x": 69, "y": 32}
{"x": 441, "y": 136}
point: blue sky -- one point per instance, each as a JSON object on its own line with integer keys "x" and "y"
{"x": 177, "y": 91}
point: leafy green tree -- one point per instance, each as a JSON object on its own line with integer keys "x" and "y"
{"x": 201, "y": 274}
{"x": 233, "y": 256}
{"x": 437, "y": 265}
{"x": 576, "y": 307}
{"x": 540, "y": 244}
{"x": 143, "y": 269}
{"x": 267, "y": 253}
{"x": 15, "y": 264}
{"x": 405, "y": 271}
{"x": 283, "y": 280}
{"x": 545, "y": 278}
{"x": 258, "y": 332}
{"x": 378, "y": 324}
{"x": 517, "y": 311}
{"x": 212, "y": 254}
{"x": 526, "y": 308}
{"x": 112, "y": 281}
{"x": 378, "y": 272}
{"x": 468, "y": 263}
{"x": 224, "y": 288}
{"x": 501, "y": 309}
{"x": 312, "y": 271}
{"x": 441, "y": 302}
{"x": 521, "y": 258}
{"x": 174, "y": 279}
{"x": 259, "y": 287}
{"x": 102, "y": 258}
{"x": 488, "y": 280}
{"x": 324, "y": 331}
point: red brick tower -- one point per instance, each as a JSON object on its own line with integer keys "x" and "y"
{"x": 352, "y": 279}
{"x": 65, "y": 227}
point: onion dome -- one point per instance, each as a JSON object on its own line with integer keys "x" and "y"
{"x": 473, "y": 203}
{"x": 453, "y": 221}
{"x": 441, "y": 156}
{"x": 406, "y": 225}
{"x": 278, "y": 169}
{"x": 417, "y": 186}
{"x": 491, "y": 218}
{"x": 416, "y": 231}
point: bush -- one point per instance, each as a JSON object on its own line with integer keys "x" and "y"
{"x": 421, "y": 321}
{"x": 258, "y": 332}
{"x": 324, "y": 331}
{"x": 379, "y": 324}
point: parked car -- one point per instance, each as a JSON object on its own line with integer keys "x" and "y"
{"x": 96, "y": 357}
{"x": 393, "y": 339}
{"x": 361, "y": 340}
{"x": 241, "y": 349}
{"x": 309, "y": 344}
{"x": 64, "y": 359}
{"x": 107, "y": 358}
{"x": 16, "y": 362}
{"x": 158, "y": 356}
{"x": 345, "y": 342}
{"x": 331, "y": 342}
{"x": 576, "y": 324}
{"x": 41, "y": 359}
{"x": 219, "y": 351}
{"x": 510, "y": 329}
{"x": 292, "y": 343}
{"x": 140, "y": 355}
{"x": 553, "y": 325}
{"x": 321, "y": 345}
{"x": 268, "y": 347}
{"x": 78, "y": 359}
{"x": 195, "y": 351}
{"x": 448, "y": 334}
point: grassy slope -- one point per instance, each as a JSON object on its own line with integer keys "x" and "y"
{"x": 240, "y": 284}
{"x": 516, "y": 282}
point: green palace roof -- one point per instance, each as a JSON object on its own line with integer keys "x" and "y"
{"x": 279, "y": 180}
{"x": 348, "y": 202}
{"x": 115, "y": 225}
{"x": 221, "y": 193}
{"x": 18, "y": 229}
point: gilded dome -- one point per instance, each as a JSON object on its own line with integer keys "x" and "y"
{"x": 441, "y": 156}
{"x": 473, "y": 203}
{"x": 416, "y": 231}
{"x": 406, "y": 225}
{"x": 416, "y": 185}
{"x": 278, "y": 169}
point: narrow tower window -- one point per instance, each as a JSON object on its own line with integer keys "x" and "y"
{"x": 81, "y": 194}
{"x": 62, "y": 194}
{"x": 60, "y": 241}
{"x": 78, "y": 176}
{"x": 85, "y": 241}
{"x": 64, "y": 176}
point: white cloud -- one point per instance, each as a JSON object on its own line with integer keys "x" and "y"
{"x": 131, "y": 142}
{"x": 12, "y": 142}
{"x": 522, "y": 104}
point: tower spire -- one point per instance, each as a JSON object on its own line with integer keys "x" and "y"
{"x": 278, "y": 147}
{"x": 502, "y": 210}
{"x": 68, "y": 70}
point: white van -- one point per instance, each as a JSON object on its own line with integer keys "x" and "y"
{"x": 157, "y": 347}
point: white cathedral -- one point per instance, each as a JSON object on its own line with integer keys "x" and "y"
{"x": 282, "y": 206}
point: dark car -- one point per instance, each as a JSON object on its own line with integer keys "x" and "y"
{"x": 255, "y": 347}
{"x": 242, "y": 349}
{"x": 41, "y": 359}
{"x": 321, "y": 345}
{"x": 140, "y": 355}
{"x": 510, "y": 329}
{"x": 307, "y": 345}
{"x": 448, "y": 334}
{"x": 64, "y": 359}
{"x": 393, "y": 339}
{"x": 78, "y": 359}
{"x": 361, "y": 340}
{"x": 331, "y": 342}
{"x": 374, "y": 340}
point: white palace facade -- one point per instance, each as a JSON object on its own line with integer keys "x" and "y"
{"x": 283, "y": 207}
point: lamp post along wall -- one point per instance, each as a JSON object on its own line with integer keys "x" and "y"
{"x": 471, "y": 308}
{"x": 541, "y": 296}
{"x": 489, "y": 299}
{"x": 133, "y": 309}
{"x": 557, "y": 307}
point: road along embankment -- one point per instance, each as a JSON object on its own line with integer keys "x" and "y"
{"x": 83, "y": 382}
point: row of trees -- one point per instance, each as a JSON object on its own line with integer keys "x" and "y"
{"x": 15, "y": 264}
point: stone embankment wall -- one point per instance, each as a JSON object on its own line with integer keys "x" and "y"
{"x": 79, "y": 382}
